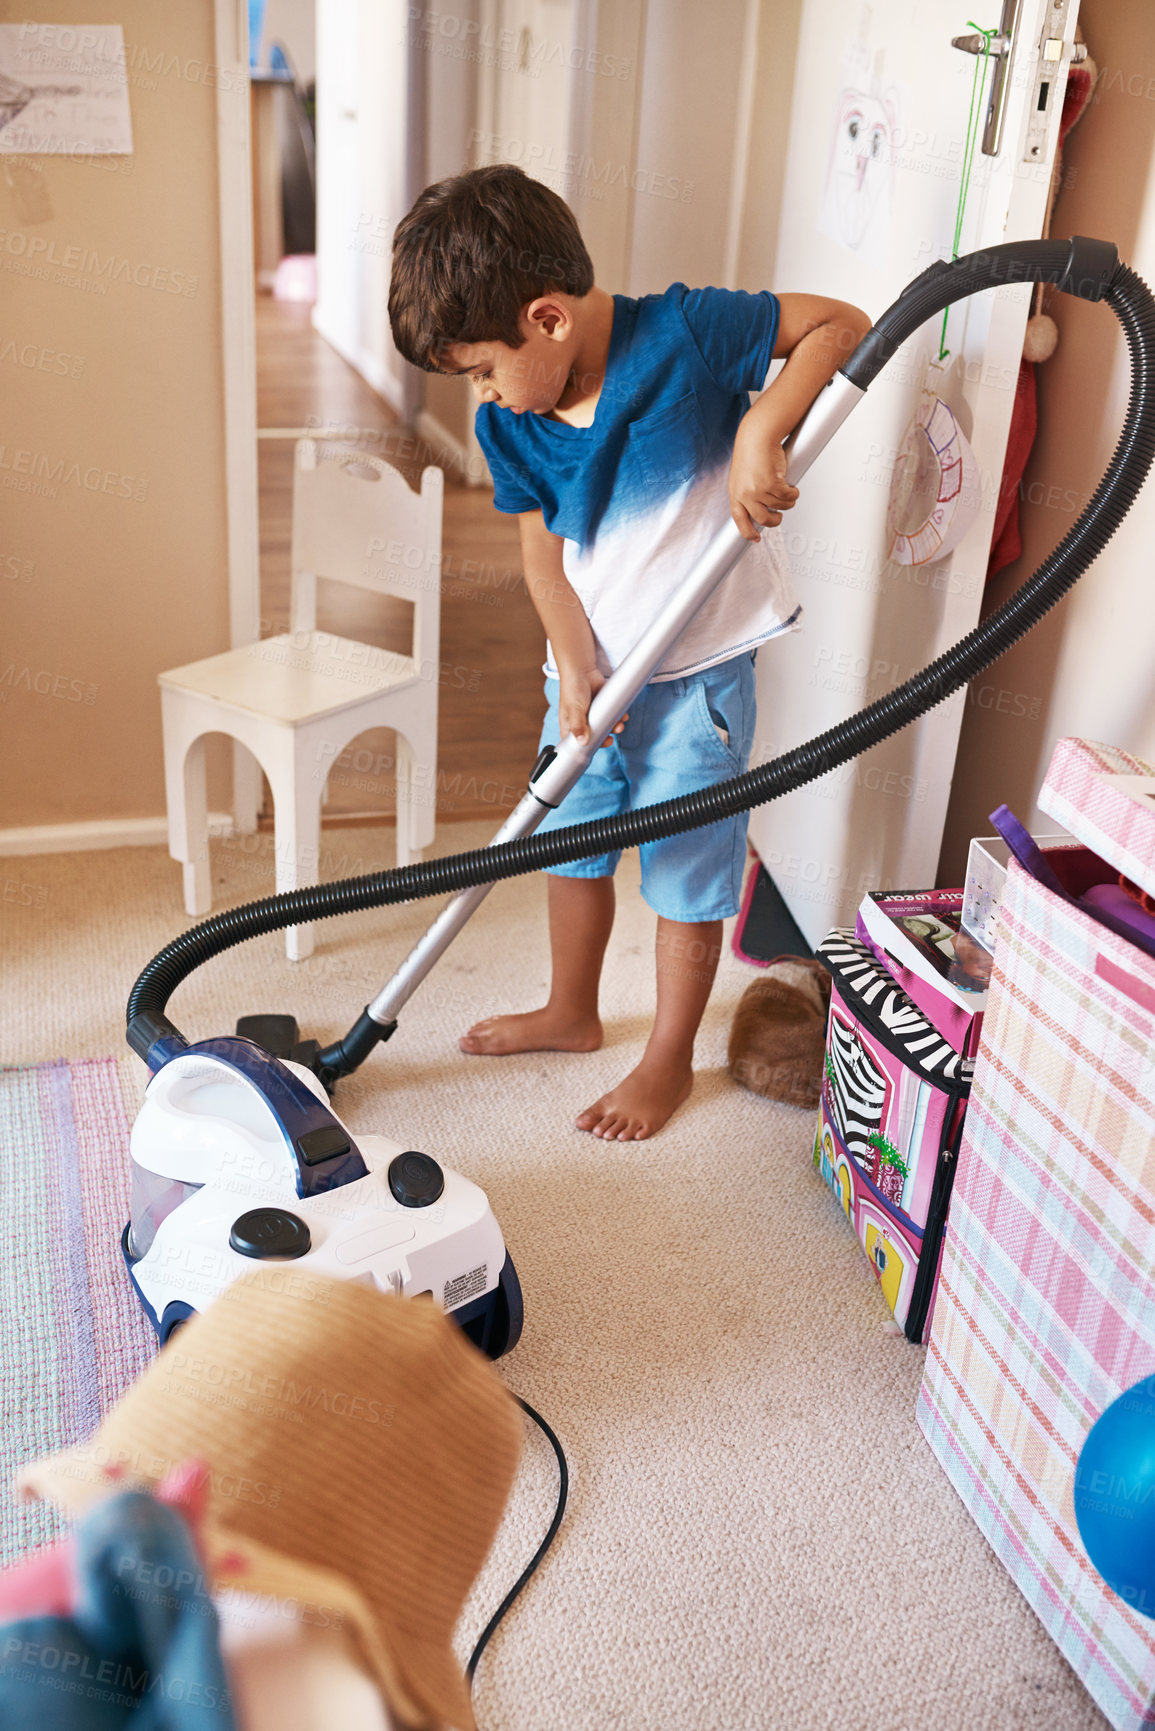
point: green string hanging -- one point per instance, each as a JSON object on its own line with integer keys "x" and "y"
{"x": 968, "y": 158}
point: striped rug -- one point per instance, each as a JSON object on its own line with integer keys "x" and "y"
{"x": 72, "y": 1335}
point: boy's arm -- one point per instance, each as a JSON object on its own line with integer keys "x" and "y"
{"x": 815, "y": 335}
{"x": 569, "y": 631}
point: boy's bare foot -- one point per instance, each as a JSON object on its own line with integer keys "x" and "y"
{"x": 639, "y": 1106}
{"x": 536, "y": 1031}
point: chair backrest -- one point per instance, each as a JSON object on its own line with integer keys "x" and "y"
{"x": 357, "y": 521}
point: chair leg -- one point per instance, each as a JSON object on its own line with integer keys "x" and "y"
{"x": 297, "y": 837}
{"x": 188, "y": 819}
{"x": 416, "y": 796}
{"x": 404, "y": 791}
{"x": 246, "y": 789}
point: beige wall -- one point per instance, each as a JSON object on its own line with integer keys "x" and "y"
{"x": 112, "y": 485}
{"x": 1089, "y": 667}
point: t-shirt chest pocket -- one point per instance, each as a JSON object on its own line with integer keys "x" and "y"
{"x": 667, "y": 447}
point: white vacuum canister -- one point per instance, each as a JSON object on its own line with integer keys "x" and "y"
{"x": 234, "y": 1166}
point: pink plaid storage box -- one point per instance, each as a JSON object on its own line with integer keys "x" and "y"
{"x": 1046, "y": 1303}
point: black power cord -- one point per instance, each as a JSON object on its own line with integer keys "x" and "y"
{"x": 551, "y": 1532}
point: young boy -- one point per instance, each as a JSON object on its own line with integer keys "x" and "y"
{"x": 620, "y": 432}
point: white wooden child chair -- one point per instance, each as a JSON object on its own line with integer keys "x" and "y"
{"x": 297, "y": 700}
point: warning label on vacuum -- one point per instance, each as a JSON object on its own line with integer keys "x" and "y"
{"x": 465, "y": 1286}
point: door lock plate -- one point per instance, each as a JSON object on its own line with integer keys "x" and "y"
{"x": 1049, "y": 78}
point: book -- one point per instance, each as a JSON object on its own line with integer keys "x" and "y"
{"x": 916, "y": 935}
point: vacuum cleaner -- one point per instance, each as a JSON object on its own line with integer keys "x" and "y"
{"x": 237, "y": 1157}
{"x": 238, "y": 1154}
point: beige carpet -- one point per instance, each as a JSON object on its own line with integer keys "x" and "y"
{"x": 758, "y": 1536}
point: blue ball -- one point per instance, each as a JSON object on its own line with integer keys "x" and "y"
{"x": 1115, "y": 1496}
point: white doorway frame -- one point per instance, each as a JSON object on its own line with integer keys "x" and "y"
{"x": 238, "y": 320}
{"x": 238, "y": 360}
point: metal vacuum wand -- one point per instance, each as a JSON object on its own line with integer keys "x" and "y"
{"x": 556, "y": 771}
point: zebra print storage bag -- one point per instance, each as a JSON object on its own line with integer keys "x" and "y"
{"x": 889, "y": 1125}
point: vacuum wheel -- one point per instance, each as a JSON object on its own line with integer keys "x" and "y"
{"x": 508, "y": 1313}
{"x": 175, "y": 1316}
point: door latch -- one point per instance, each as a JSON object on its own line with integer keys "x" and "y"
{"x": 1049, "y": 77}
{"x": 1002, "y": 51}
{"x": 1052, "y": 52}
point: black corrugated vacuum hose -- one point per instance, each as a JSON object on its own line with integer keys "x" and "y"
{"x": 1086, "y": 268}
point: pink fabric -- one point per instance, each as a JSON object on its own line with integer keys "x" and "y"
{"x": 1007, "y": 540}
{"x": 40, "y": 1587}
{"x": 44, "y": 1585}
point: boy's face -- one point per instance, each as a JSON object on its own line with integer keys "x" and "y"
{"x": 530, "y": 379}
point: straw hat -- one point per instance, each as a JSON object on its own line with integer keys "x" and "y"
{"x": 360, "y": 1452}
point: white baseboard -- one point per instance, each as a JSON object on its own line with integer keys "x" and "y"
{"x": 463, "y": 461}
{"x": 463, "y": 458}
{"x": 96, "y": 834}
{"x": 369, "y": 367}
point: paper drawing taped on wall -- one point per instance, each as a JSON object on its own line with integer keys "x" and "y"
{"x": 64, "y": 90}
{"x": 858, "y": 198}
{"x": 14, "y": 97}
{"x": 859, "y": 192}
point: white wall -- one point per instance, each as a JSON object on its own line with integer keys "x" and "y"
{"x": 293, "y": 23}
{"x": 362, "y": 192}
{"x": 754, "y": 238}
{"x": 662, "y": 125}
{"x": 690, "y": 128}
{"x": 450, "y": 147}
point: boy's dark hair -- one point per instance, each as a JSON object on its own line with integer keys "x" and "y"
{"x": 474, "y": 251}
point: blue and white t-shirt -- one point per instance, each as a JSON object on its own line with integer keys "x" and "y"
{"x": 639, "y": 495}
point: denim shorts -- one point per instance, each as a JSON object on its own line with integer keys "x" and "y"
{"x": 673, "y": 743}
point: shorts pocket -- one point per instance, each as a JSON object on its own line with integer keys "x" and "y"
{"x": 715, "y": 716}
